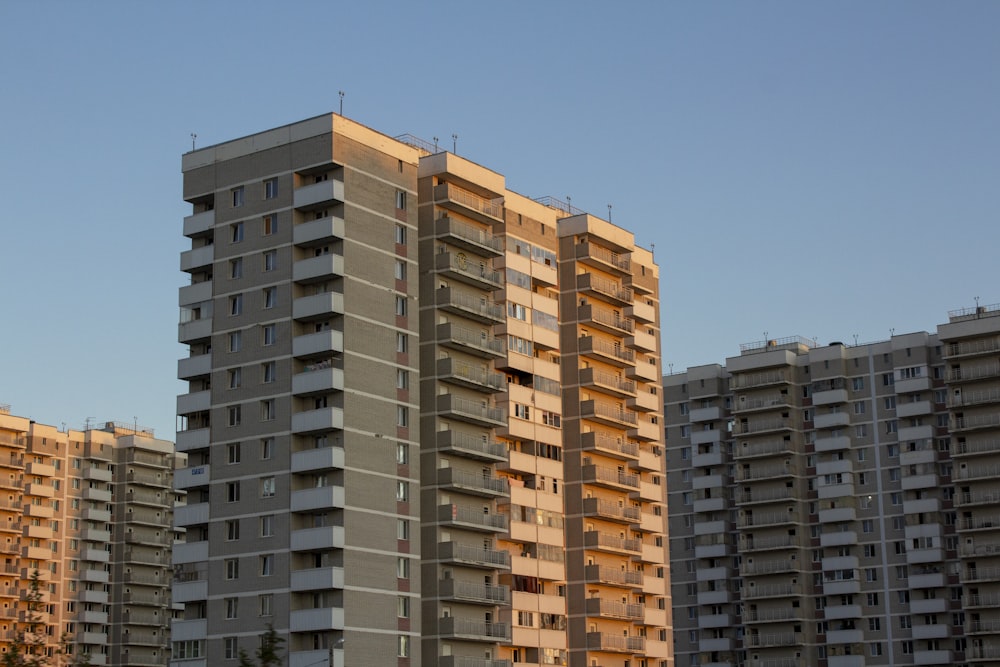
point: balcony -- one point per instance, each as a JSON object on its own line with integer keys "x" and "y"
{"x": 764, "y": 448}
{"x": 610, "y": 352}
{"x": 187, "y": 478}
{"x": 469, "y": 305}
{"x": 473, "y": 556}
{"x": 487, "y": 211}
{"x": 609, "y": 478}
{"x": 474, "y": 239}
{"x": 474, "y": 272}
{"x": 470, "y": 376}
{"x": 613, "y": 609}
{"x": 616, "y": 544}
{"x": 833, "y": 443}
{"x": 611, "y": 576}
{"x": 610, "y": 444}
{"x": 199, "y": 223}
{"x": 975, "y": 422}
{"x": 192, "y": 367}
{"x": 641, "y": 311}
{"x": 319, "y": 378}
{"x": 316, "y": 194}
{"x": 765, "y": 591}
{"x": 772, "y": 639}
{"x": 754, "y": 403}
{"x": 829, "y": 397}
{"x": 767, "y": 567}
{"x": 471, "y": 518}
{"x": 194, "y": 330}
{"x": 192, "y": 439}
{"x": 313, "y": 421}
{"x": 832, "y": 420}
{"x": 318, "y": 231}
{"x": 608, "y": 291}
{"x": 316, "y": 620}
{"x": 604, "y": 259}
{"x": 317, "y": 539}
{"x": 317, "y": 498}
{"x": 467, "y": 629}
{"x": 319, "y": 578}
{"x": 611, "y": 511}
{"x": 475, "y": 483}
{"x": 319, "y": 343}
{"x": 609, "y": 414}
{"x": 768, "y": 543}
{"x": 471, "y": 592}
{"x": 197, "y": 258}
{"x": 759, "y": 519}
{"x": 607, "y": 382}
{"x": 761, "y": 472}
{"x": 970, "y": 373}
{"x": 471, "y": 445}
{"x": 319, "y": 268}
{"x": 194, "y": 293}
{"x": 745, "y": 427}
{"x": 599, "y": 641}
{"x": 473, "y": 412}
{"x": 186, "y": 630}
{"x": 323, "y": 458}
{"x": 94, "y": 493}
{"x": 318, "y": 306}
{"x": 475, "y": 342}
{"x": 752, "y": 496}
{"x": 605, "y": 319}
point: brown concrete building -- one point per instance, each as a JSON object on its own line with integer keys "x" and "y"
{"x": 68, "y": 512}
{"x": 442, "y": 297}
{"x": 834, "y": 505}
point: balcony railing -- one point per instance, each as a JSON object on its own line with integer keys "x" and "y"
{"x": 613, "y": 576}
{"x": 490, "y": 207}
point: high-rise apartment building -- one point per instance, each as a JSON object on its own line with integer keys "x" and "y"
{"x": 91, "y": 512}
{"x": 427, "y": 404}
{"x": 833, "y": 505}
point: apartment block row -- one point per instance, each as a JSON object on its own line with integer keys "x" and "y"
{"x": 424, "y": 417}
{"x": 837, "y": 505}
{"x": 85, "y": 536}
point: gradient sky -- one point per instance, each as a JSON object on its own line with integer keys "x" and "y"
{"x": 829, "y": 170}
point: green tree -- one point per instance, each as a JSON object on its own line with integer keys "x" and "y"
{"x": 268, "y": 655}
{"x": 29, "y": 646}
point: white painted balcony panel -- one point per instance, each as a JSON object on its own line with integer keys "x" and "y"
{"x": 709, "y": 527}
{"x": 932, "y": 580}
{"x": 831, "y": 661}
{"x": 703, "y": 437}
{"x": 191, "y": 515}
{"x": 937, "y": 631}
{"x": 829, "y": 397}
{"x": 713, "y": 413}
{"x": 838, "y": 539}
{"x": 318, "y": 381}
{"x": 325, "y": 497}
{"x": 842, "y": 611}
{"x": 318, "y": 343}
{"x": 914, "y": 409}
{"x": 320, "y": 578}
{"x": 198, "y": 401}
{"x": 712, "y": 574}
{"x": 197, "y": 257}
{"x": 199, "y": 223}
{"x": 713, "y": 458}
{"x": 317, "y": 305}
{"x": 195, "y": 293}
{"x": 191, "y": 439}
{"x": 932, "y": 606}
{"x": 833, "y": 444}
{"x": 912, "y": 385}
{"x": 831, "y": 419}
{"x": 186, "y": 478}
{"x": 844, "y": 636}
{"x": 317, "y": 193}
{"x": 313, "y": 539}
{"x": 190, "y": 552}
{"x": 837, "y": 514}
{"x": 320, "y": 658}
{"x": 840, "y": 563}
{"x": 324, "y": 419}
{"x": 316, "y": 620}
{"x": 194, "y": 330}
{"x": 315, "y": 231}
{"x": 913, "y": 433}
{"x": 189, "y": 591}
{"x": 845, "y": 587}
{"x": 940, "y": 657}
{"x": 190, "y": 367}
{"x": 317, "y": 268}
{"x": 324, "y": 458}
{"x": 187, "y": 630}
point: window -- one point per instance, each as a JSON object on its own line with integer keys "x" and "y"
{"x": 233, "y": 530}
{"x": 402, "y": 568}
{"x": 867, "y": 526}
{"x": 888, "y": 379}
{"x": 232, "y": 566}
{"x": 236, "y": 268}
{"x": 890, "y": 403}
{"x": 235, "y": 378}
{"x": 270, "y": 260}
{"x": 232, "y": 651}
{"x": 402, "y": 416}
{"x": 267, "y": 410}
{"x": 402, "y": 491}
{"x": 400, "y": 235}
{"x": 404, "y": 647}
{"x": 893, "y": 474}
{"x": 892, "y": 451}
{"x": 266, "y": 449}
{"x": 875, "y": 647}
{"x": 235, "y": 415}
{"x": 270, "y": 334}
{"x": 871, "y": 574}
{"x": 265, "y": 602}
{"x": 402, "y": 342}
{"x": 235, "y": 341}
{"x": 270, "y": 225}
{"x": 403, "y": 607}
{"x": 861, "y": 431}
{"x": 232, "y": 608}
{"x": 402, "y": 453}
{"x": 400, "y": 305}
{"x": 857, "y": 384}
{"x": 268, "y": 372}
{"x": 237, "y": 196}
{"x": 869, "y": 551}
{"x": 236, "y": 232}
{"x": 270, "y": 188}
{"x": 859, "y": 408}
{"x": 267, "y": 565}
{"x": 522, "y": 411}
{"x": 267, "y": 487}
{"x": 402, "y": 529}
{"x": 871, "y": 599}
{"x": 267, "y": 525}
{"x": 270, "y": 297}
{"x": 236, "y": 304}
{"x": 401, "y": 200}
{"x": 905, "y": 622}
{"x": 896, "y": 498}
{"x": 232, "y": 492}
{"x": 400, "y": 271}
{"x": 402, "y": 379}
{"x": 891, "y": 426}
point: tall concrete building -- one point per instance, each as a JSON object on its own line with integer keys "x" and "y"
{"x": 91, "y": 512}
{"x": 401, "y": 335}
{"x": 833, "y": 505}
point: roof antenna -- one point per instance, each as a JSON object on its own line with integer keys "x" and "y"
{"x": 454, "y": 144}
{"x": 435, "y": 144}
{"x": 341, "y": 93}
{"x": 855, "y": 340}
{"x": 193, "y": 137}
{"x": 609, "y": 212}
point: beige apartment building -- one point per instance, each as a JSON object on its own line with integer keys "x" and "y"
{"x": 442, "y": 297}
{"x": 91, "y": 512}
{"x": 833, "y": 505}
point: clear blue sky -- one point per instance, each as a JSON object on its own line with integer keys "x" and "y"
{"x": 802, "y": 168}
